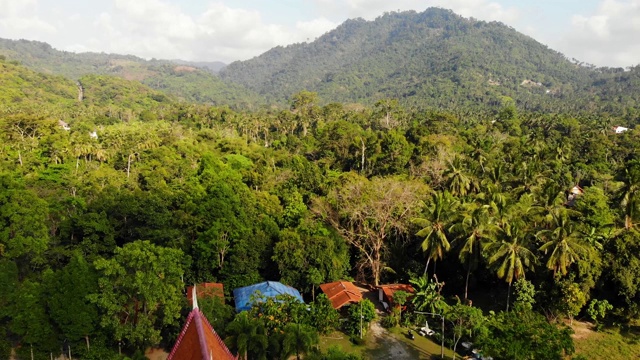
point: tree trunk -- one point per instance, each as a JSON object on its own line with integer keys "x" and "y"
{"x": 87, "y": 339}
{"x": 362, "y": 161}
{"x": 426, "y": 266}
{"x": 313, "y": 292}
{"x": 627, "y": 220}
{"x": 508, "y": 295}
{"x": 466, "y": 284}
{"x": 129, "y": 165}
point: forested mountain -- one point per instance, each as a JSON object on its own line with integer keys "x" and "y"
{"x": 434, "y": 58}
{"x": 194, "y": 82}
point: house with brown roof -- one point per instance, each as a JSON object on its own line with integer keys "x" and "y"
{"x": 198, "y": 340}
{"x": 385, "y": 292}
{"x": 341, "y": 293}
{"x": 206, "y": 290}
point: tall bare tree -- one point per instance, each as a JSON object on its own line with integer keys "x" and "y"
{"x": 368, "y": 213}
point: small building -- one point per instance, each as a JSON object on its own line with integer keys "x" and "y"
{"x": 573, "y": 195}
{"x": 206, "y": 290}
{"x": 93, "y": 135}
{"x": 341, "y": 293}
{"x": 620, "y": 129}
{"x": 64, "y": 125}
{"x": 385, "y": 293}
{"x": 268, "y": 289}
{"x": 198, "y": 340}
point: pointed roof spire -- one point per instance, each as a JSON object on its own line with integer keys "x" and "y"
{"x": 199, "y": 341}
{"x": 194, "y": 295}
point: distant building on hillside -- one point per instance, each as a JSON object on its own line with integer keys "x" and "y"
{"x": 64, "y": 125}
{"x": 620, "y": 129}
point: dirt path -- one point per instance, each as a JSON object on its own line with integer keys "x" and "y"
{"x": 388, "y": 347}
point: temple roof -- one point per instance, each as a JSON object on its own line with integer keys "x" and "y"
{"x": 198, "y": 341}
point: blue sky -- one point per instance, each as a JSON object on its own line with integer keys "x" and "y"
{"x": 602, "y": 32}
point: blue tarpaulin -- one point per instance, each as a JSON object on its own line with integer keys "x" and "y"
{"x": 267, "y": 289}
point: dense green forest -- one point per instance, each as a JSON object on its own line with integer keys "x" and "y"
{"x": 114, "y": 201}
{"x": 188, "y": 81}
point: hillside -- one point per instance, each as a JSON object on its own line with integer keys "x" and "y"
{"x": 432, "y": 58}
{"x": 184, "y": 80}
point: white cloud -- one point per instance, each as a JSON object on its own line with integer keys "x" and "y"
{"x": 607, "y": 37}
{"x": 156, "y": 28}
{"x": 18, "y": 18}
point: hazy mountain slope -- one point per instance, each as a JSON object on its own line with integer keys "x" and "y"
{"x": 184, "y": 81}
{"x": 435, "y": 57}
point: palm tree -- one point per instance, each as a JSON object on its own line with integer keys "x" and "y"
{"x": 473, "y": 228}
{"x": 247, "y": 335}
{"x": 510, "y": 254}
{"x": 458, "y": 181}
{"x": 434, "y": 224}
{"x": 299, "y": 339}
{"x": 630, "y": 193}
{"x": 565, "y": 244}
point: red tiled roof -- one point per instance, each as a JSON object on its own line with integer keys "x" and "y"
{"x": 341, "y": 293}
{"x": 392, "y": 288}
{"x": 198, "y": 341}
{"x": 206, "y": 290}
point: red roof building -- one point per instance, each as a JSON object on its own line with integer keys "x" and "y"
{"x": 198, "y": 340}
{"x": 341, "y": 293}
{"x": 386, "y": 291}
{"x": 206, "y": 290}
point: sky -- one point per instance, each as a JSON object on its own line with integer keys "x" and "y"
{"x": 600, "y": 32}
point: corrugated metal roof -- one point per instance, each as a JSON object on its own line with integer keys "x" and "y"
{"x": 243, "y": 295}
{"x": 206, "y": 290}
{"x": 341, "y": 293}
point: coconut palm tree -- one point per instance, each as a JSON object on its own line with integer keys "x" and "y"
{"x": 473, "y": 227}
{"x": 510, "y": 254}
{"x": 434, "y": 226}
{"x": 630, "y": 193}
{"x": 248, "y": 335}
{"x": 299, "y": 339}
{"x": 564, "y": 242}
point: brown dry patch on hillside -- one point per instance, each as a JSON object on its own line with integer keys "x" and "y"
{"x": 182, "y": 68}
{"x": 582, "y": 329}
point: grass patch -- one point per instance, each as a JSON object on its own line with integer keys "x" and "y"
{"x": 425, "y": 346}
{"x": 606, "y": 344}
{"x": 341, "y": 340}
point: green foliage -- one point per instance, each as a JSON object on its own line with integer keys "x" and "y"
{"x": 525, "y": 294}
{"x": 299, "y": 339}
{"x": 139, "y": 291}
{"x": 217, "y": 312}
{"x": 322, "y": 316}
{"x": 427, "y": 296}
{"x": 597, "y": 310}
{"x": 67, "y": 293}
{"x": 573, "y": 299}
{"x": 525, "y": 335}
{"x": 360, "y": 315}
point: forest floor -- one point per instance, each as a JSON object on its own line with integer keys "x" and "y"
{"x": 608, "y": 343}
